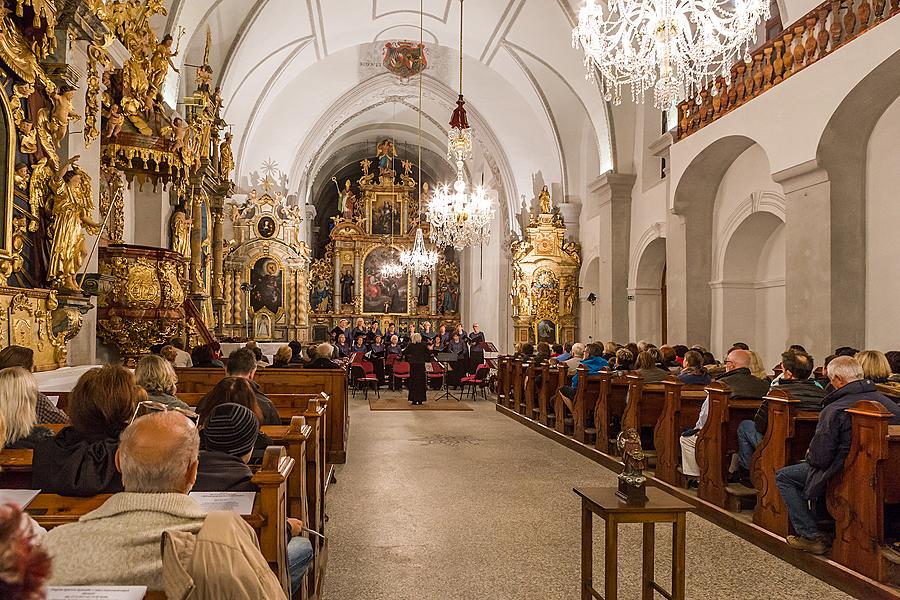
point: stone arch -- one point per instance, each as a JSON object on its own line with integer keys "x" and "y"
{"x": 842, "y": 152}
{"x": 748, "y": 292}
{"x": 690, "y": 239}
{"x": 647, "y": 308}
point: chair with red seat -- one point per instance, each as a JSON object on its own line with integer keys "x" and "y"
{"x": 363, "y": 380}
{"x": 480, "y": 379}
{"x": 401, "y": 372}
{"x": 436, "y": 373}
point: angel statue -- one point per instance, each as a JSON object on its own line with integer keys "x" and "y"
{"x": 161, "y": 61}
{"x": 71, "y": 206}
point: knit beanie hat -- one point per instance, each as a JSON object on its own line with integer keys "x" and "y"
{"x": 232, "y": 429}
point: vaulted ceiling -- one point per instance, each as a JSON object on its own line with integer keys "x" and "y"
{"x": 303, "y": 79}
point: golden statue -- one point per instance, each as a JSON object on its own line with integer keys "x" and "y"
{"x": 114, "y": 121}
{"x": 72, "y": 208}
{"x": 181, "y": 233}
{"x": 62, "y": 114}
{"x": 366, "y": 164}
{"x": 544, "y": 198}
{"x": 226, "y": 157}
{"x": 161, "y": 61}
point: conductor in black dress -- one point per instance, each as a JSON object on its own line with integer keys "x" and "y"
{"x": 417, "y": 355}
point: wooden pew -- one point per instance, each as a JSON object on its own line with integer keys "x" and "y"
{"x": 552, "y": 378}
{"x": 582, "y": 407}
{"x": 518, "y": 388}
{"x": 290, "y": 381}
{"x": 717, "y": 440}
{"x": 532, "y": 404}
{"x": 680, "y": 411}
{"x": 785, "y": 442}
{"x": 645, "y": 404}
{"x": 317, "y": 479}
{"x": 610, "y": 403}
{"x": 269, "y": 516}
{"x": 858, "y": 494}
{"x": 502, "y": 379}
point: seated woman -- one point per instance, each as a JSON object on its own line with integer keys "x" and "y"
{"x": 693, "y": 372}
{"x": 282, "y": 359}
{"x": 202, "y": 358}
{"x": 157, "y": 376}
{"x": 624, "y": 360}
{"x": 20, "y": 356}
{"x": 646, "y": 367}
{"x": 359, "y": 346}
{"x": 342, "y": 346}
{"x": 18, "y": 406}
{"x": 875, "y": 365}
{"x": 320, "y": 357}
{"x": 226, "y": 443}
{"x": 81, "y": 459}
{"x": 234, "y": 390}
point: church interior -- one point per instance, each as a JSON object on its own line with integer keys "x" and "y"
{"x": 333, "y": 300}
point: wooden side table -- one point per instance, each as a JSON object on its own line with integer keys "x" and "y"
{"x": 659, "y": 508}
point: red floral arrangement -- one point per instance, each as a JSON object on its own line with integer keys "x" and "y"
{"x": 24, "y": 564}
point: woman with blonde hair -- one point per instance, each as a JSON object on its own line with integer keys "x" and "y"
{"x": 757, "y": 369}
{"x": 282, "y": 359}
{"x": 18, "y": 404}
{"x": 157, "y": 376}
{"x": 875, "y": 365}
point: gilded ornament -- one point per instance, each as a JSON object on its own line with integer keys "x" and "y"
{"x": 16, "y": 52}
{"x": 544, "y": 198}
{"x": 112, "y": 202}
{"x": 72, "y": 210}
{"x": 226, "y": 157}
{"x": 181, "y": 232}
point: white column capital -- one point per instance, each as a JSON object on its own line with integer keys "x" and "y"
{"x": 801, "y": 176}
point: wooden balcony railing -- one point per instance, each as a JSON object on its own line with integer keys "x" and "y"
{"x": 822, "y": 31}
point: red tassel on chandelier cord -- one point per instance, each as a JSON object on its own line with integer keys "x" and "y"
{"x": 459, "y": 120}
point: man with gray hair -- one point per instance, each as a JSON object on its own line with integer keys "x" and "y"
{"x": 805, "y": 483}
{"x": 119, "y": 543}
{"x": 576, "y": 358}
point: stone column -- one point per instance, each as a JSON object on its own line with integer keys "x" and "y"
{"x": 677, "y": 287}
{"x": 808, "y": 238}
{"x": 610, "y": 198}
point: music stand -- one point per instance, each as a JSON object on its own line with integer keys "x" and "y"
{"x": 445, "y": 358}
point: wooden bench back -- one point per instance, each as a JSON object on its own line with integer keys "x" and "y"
{"x": 681, "y": 408}
{"x": 645, "y": 403}
{"x": 788, "y": 433}
{"x": 610, "y": 406}
{"x": 858, "y": 494}
{"x": 718, "y": 439}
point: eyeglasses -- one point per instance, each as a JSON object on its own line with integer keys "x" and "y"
{"x": 147, "y": 407}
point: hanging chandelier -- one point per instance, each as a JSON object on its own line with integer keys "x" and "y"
{"x": 459, "y": 218}
{"x": 418, "y": 261}
{"x": 391, "y": 269}
{"x": 678, "y": 47}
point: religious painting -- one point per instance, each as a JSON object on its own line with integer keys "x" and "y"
{"x": 266, "y": 285}
{"x": 381, "y": 293}
{"x": 546, "y": 331}
{"x": 266, "y": 227}
{"x": 320, "y": 297}
{"x": 386, "y": 215}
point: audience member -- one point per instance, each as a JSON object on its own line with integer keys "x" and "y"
{"x": 227, "y": 441}
{"x": 577, "y": 356}
{"x": 757, "y": 368}
{"x": 24, "y": 563}
{"x": 156, "y": 375}
{"x": 20, "y": 356}
{"x": 170, "y": 353}
{"x": 18, "y": 407}
{"x": 321, "y": 357}
{"x": 680, "y": 351}
{"x": 282, "y": 359}
{"x": 668, "y": 357}
{"x": 242, "y": 363}
{"x": 739, "y": 346}
{"x": 846, "y": 351}
{"x": 693, "y": 372}
{"x": 234, "y": 390}
{"x": 609, "y": 351}
{"x": 80, "y": 459}
{"x": 261, "y": 361}
{"x": 543, "y": 352}
{"x": 875, "y": 365}
{"x": 893, "y": 358}
{"x": 805, "y": 483}
{"x": 646, "y": 367}
{"x": 742, "y": 385}
{"x": 202, "y": 358}
{"x": 296, "y": 352}
{"x": 183, "y": 359}
{"x": 796, "y": 368}
{"x": 624, "y": 361}
{"x": 556, "y": 350}
{"x": 566, "y": 354}
{"x": 593, "y": 361}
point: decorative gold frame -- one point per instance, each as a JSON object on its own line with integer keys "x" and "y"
{"x": 6, "y": 251}
{"x": 249, "y": 270}
{"x": 361, "y": 287}
{"x": 400, "y": 197}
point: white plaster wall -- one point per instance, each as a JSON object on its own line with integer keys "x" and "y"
{"x": 770, "y": 336}
{"x": 484, "y": 290}
{"x": 748, "y": 174}
{"x": 882, "y": 224}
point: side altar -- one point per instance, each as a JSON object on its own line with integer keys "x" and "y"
{"x": 544, "y": 285}
{"x": 374, "y": 224}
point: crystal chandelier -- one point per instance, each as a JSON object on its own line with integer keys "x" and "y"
{"x": 418, "y": 261}
{"x": 458, "y": 218}
{"x": 676, "y": 46}
{"x": 391, "y": 269}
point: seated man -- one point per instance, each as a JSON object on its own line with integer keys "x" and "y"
{"x": 320, "y": 358}
{"x": 594, "y": 361}
{"x": 796, "y": 369}
{"x": 242, "y": 363}
{"x": 577, "y": 355}
{"x": 742, "y": 384}
{"x": 805, "y": 483}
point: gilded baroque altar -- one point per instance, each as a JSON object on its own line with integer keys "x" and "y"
{"x": 375, "y": 222}
{"x": 544, "y": 285}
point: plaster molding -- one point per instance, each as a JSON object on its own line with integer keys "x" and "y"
{"x": 801, "y": 176}
{"x": 611, "y": 186}
{"x": 722, "y": 284}
{"x": 652, "y": 233}
{"x": 758, "y": 201}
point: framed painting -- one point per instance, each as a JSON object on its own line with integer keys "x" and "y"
{"x": 381, "y": 293}
{"x": 387, "y": 214}
{"x": 266, "y": 285}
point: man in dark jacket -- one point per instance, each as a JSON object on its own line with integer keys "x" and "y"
{"x": 796, "y": 369}
{"x": 242, "y": 363}
{"x": 227, "y": 442}
{"x": 738, "y": 378}
{"x": 321, "y": 358}
{"x": 807, "y": 481}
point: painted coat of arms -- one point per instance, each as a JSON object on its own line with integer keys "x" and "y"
{"x": 404, "y": 59}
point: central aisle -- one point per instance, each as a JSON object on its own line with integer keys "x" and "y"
{"x": 447, "y": 505}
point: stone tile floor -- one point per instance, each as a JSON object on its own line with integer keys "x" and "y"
{"x": 441, "y": 505}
